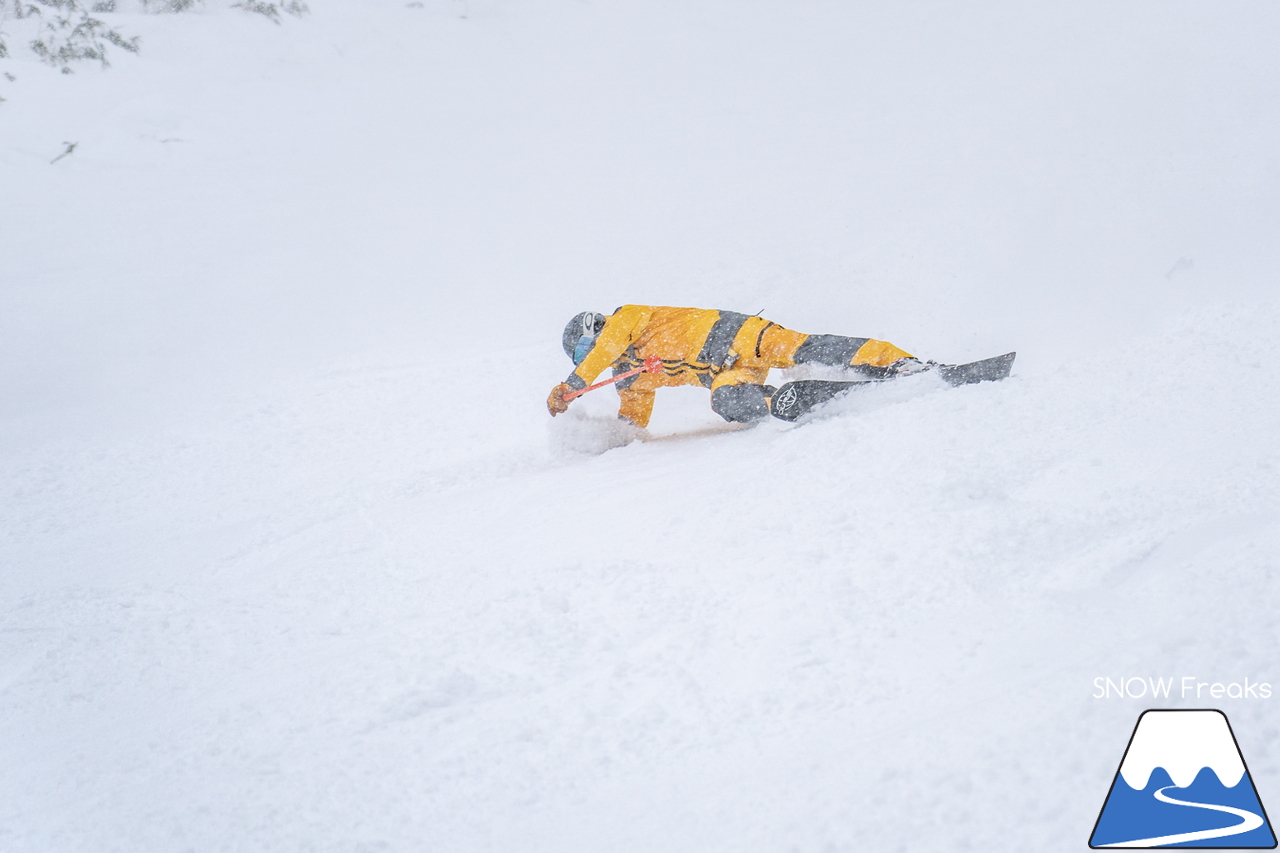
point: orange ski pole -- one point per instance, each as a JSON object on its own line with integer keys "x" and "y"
{"x": 652, "y": 364}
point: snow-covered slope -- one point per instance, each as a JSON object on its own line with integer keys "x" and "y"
{"x": 293, "y": 559}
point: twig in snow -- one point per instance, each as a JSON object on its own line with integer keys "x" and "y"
{"x": 71, "y": 146}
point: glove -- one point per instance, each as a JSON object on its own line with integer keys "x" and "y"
{"x": 556, "y": 403}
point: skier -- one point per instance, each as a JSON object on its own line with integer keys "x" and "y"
{"x": 729, "y": 353}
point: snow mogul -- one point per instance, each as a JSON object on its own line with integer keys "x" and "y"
{"x": 730, "y": 354}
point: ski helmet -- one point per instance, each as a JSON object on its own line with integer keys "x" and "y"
{"x": 588, "y": 324}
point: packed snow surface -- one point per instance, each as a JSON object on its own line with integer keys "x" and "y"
{"x": 292, "y": 558}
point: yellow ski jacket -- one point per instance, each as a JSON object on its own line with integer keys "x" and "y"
{"x": 700, "y": 346}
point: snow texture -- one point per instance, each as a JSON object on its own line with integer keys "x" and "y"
{"x": 291, "y": 557}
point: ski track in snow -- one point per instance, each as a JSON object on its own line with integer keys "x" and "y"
{"x": 291, "y": 557}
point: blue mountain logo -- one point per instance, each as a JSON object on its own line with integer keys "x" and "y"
{"x": 1183, "y": 783}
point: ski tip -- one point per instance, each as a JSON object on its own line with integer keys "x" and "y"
{"x": 987, "y": 370}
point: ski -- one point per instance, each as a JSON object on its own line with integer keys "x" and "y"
{"x": 798, "y": 398}
{"x": 987, "y": 370}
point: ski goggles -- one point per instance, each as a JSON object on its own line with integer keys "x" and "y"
{"x": 584, "y": 346}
